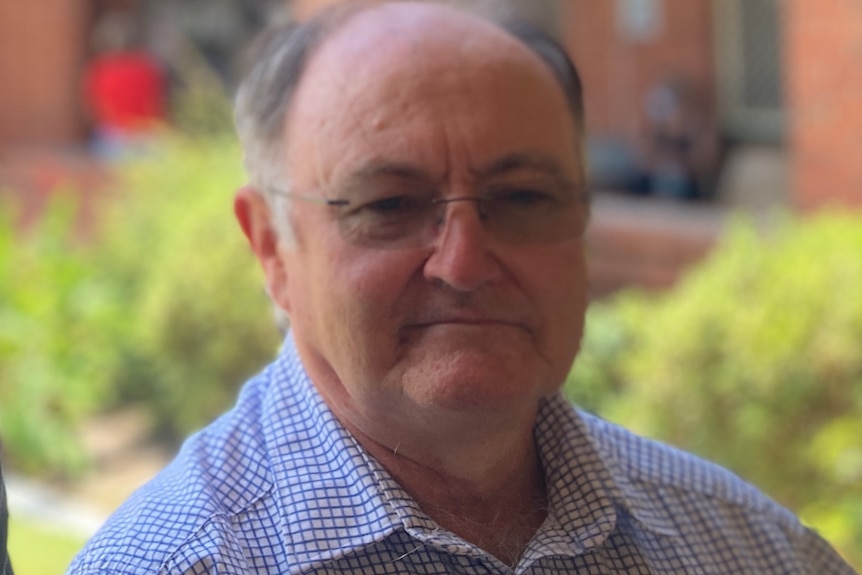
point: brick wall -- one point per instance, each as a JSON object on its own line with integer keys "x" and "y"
{"x": 42, "y": 46}
{"x": 823, "y": 50}
{"x": 646, "y": 244}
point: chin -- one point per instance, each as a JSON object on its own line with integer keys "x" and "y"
{"x": 466, "y": 383}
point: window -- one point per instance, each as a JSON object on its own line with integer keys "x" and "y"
{"x": 748, "y": 41}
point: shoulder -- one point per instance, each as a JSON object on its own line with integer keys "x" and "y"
{"x": 648, "y": 462}
{"x": 651, "y": 462}
{"x": 707, "y": 506}
{"x": 213, "y": 545}
{"x": 219, "y": 480}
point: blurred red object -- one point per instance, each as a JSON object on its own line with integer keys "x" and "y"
{"x": 125, "y": 91}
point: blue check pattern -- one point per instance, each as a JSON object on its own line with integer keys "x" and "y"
{"x": 277, "y": 486}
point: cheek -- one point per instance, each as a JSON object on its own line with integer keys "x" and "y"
{"x": 558, "y": 278}
{"x": 364, "y": 281}
{"x": 362, "y": 294}
{"x": 363, "y": 309}
{"x": 561, "y": 290}
{"x": 574, "y": 285}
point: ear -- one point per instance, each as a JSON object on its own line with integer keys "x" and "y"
{"x": 255, "y": 218}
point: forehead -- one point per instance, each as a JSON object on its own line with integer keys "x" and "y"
{"x": 408, "y": 73}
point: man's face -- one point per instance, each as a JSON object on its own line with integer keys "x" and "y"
{"x": 471, "y": 323}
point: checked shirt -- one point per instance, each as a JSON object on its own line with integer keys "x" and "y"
{"x": 277, "y": 485}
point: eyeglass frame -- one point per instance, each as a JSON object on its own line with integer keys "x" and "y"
{"x": 582, "y": 196}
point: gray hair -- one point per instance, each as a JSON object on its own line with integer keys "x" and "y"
{"x": 278, "y": 60}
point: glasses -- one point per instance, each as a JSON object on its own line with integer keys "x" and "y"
{"x": 513, "y": 215}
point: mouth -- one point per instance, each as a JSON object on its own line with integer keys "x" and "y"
{"x": 467, "y": 323}
{"x": 459, "y": 321}
{"x": 472, "y": 317}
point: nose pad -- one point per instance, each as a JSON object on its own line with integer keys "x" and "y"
{"x": 461, "y": 257}
{"x": 442, "y": 206}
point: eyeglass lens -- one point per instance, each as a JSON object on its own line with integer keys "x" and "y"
{"x": 514, "y": 217}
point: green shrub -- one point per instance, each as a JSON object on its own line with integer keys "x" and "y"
{"x": 164, "y": 306}
{"x": 35, "y": 547}
{"x": 754, "y": 361}
{"x": 55, "y": 353}
{"x": 198, "y": 321}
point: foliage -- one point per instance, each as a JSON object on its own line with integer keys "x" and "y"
{"x": 165, "y": 306}
{"x": 199, "y": 103}
{"x": 198, "y": 319}
{"x": 753, "y": 361}
{"x": 199, "y": 106}
{"x": 36, "y": 548}
{"x": 50, "y": 304}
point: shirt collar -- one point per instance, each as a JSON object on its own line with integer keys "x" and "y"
{"x": 586, "y": 476}
{"x": 326, "y": 482}
{"x": 330, "y": 499}
{"x": 352, "y": 497}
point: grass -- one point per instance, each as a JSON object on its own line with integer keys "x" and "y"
{"x": 39, "y": 550}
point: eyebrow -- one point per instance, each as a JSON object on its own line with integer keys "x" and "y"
{"x": 514, "y": 162}
{"x": 404, "y": 171}
{"x": 517, "y": 161}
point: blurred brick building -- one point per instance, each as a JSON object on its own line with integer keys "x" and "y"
{"x": 42, "y": 50}
{"x": 45, "y": 45}
{"x": 777, "y": 80}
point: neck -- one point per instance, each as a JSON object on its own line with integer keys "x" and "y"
{"x": 475, "y": 472}
{"x": 488, "y": 489}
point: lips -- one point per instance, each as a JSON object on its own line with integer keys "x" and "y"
{"x": 467, "y": 320}
{"x": 440, "y": 309}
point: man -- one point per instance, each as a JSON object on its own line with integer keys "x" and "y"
{"x": 417, "y": 205}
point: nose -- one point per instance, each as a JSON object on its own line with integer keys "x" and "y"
{"x": 462, "y": 257}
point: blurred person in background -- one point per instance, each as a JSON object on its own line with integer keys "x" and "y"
{"x": 679, "y": 152}
{"x": 416, "y": 201}
{"x": 124, "y": 89}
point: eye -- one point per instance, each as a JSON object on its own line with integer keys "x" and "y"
{"x": 399, "y": 206}
{"x": 522, "y": 197}
{"x": 390, "y": 205}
